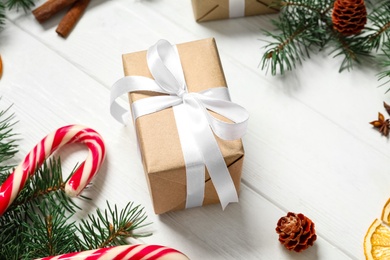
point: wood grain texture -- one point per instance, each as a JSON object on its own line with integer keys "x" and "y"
{"x": 309, "y": 147}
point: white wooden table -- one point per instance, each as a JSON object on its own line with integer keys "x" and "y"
{"x": 309, "y": 147}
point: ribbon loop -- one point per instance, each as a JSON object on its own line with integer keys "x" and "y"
{"x": 165, "y": 67}
{"x": 195, "y": 124}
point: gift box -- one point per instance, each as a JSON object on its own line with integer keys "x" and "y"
{"x": 206, "y": 10}
{"x": 158, "y": 136}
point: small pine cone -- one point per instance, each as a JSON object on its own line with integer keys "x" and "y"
{"x": 349, "y": 16}
{"x": 296, "y": 232}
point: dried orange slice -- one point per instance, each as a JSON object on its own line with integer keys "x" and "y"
{"x": 386, "y": 212}
{"x": 377, "y": 239}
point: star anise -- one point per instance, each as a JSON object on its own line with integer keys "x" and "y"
{"x": 382, "y": 123}
{"x": 387, "y": 107}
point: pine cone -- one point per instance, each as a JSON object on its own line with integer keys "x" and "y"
{"x": 296, "y": 232}
{"x": 349, "y": 16}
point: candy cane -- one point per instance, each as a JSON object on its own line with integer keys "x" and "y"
{"x": 62, "y": 136}
{"x": 128, "y": 252}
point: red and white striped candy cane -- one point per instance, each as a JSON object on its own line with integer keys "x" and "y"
{"x": 62, "y": 136}
{"x": 128, "y": 252}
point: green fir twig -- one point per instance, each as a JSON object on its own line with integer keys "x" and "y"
{"x": 47, "y": 232}
{"x": 350, "y": 49}
{"x": 109, "y": 228}
{"x": 301, "y": 25}
{"x": 26, "y": 5}
{"x": 8, "y": 145}
{"x": 385, "y": 64}
{"x": 5, "y": 5}
{"x": 379, "y": 31}
{"x": 2, "y": 14}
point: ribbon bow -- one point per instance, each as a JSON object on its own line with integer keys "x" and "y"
{"x": 194, "y": 123}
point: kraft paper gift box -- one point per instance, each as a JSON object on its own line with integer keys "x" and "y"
{"x": 206, "y": 10}
{"x": 158, "y": 138}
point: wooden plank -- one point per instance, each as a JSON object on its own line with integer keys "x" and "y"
{"x": 306, "y": 148}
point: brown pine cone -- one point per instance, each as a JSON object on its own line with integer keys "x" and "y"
{"x": 349, "y": 16}
{"x": 296, "y": 232}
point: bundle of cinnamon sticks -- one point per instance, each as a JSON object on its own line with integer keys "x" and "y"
{"x": 51, "y": 7}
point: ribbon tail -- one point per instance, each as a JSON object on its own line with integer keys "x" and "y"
{"x": 195, "y": 169}
{"x": 212, "y": 156}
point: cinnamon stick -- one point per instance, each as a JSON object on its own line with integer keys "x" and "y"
{"x": 51, "y": 7}
{"x": 71, "y": 17}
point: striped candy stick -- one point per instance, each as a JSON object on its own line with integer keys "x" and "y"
{"x": 62, "y": 136}
{"x": 127, "y": 252}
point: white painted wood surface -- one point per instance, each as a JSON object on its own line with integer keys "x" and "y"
{"x": 309, "y": 147}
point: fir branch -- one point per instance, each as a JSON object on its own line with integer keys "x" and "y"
{"x": 5, "y": 5}
{"x": 8, "y": 146}
{"x": 26, "y": 5}
{"x": 2, "y": 14}
{"x": 11, "y": 229}
{"x": 47, "y": 233}
{"x": 301, "y": 25}
{"x": 350, "y": 48}
{"x": 380, "y": 30}
{"x": 385, "y": 63}
{"x": 284, "y": 53}
{"x": 110, "y": 229}
{"x": 42, "y": 193}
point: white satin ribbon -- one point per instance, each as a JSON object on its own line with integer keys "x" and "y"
{"x": 236, "y": 8}
{"x": 196, "y": 126}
